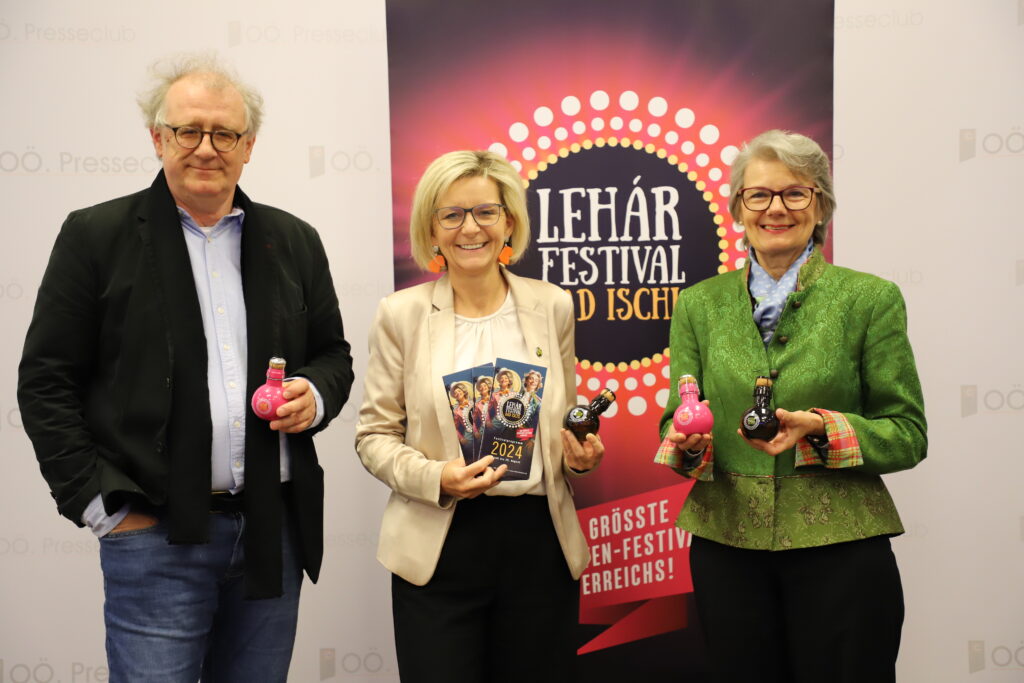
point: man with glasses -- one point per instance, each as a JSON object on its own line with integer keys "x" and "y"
{"x": 154, "y": 323}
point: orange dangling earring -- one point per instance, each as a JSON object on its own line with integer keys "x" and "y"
{"x": 437, "y": 264}
{"x": 505, "y": 255}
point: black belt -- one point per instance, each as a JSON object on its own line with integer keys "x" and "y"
{"x": 224, "y": 501}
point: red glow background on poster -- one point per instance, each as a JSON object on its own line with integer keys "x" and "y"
{"x": 678, "y": 85}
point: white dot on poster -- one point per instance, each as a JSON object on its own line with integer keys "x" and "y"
{"x": 593, "y": 384}
{"x": 518, "y": 131}
{"x": 657, "y": 106}
{"x": 650, "y": 379}
{"x": 661, "y": 398}
{"x": 599, "y": 100}
{"x": 631, "y": 383}
{"x": 570, "y": 105}
{"x": 709, "y": 134}
{"x": 685, "y": 118}
{"x": 543, "y": 116}
{"x": 637, "y": 405}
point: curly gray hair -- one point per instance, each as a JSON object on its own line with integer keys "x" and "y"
{"x": 216, "y": 75}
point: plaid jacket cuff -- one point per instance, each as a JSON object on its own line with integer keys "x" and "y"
{"x": 696, "y": 467}
{"x": 843, "y": 447}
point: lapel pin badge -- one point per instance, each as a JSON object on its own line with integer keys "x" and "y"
{"x": 539, "y": 352}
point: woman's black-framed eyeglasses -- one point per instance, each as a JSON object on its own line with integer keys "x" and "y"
{"x": 452, "y": 217}
{"x": 794, "y": 197}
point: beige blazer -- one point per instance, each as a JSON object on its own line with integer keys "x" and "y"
{"x": 405, "y": 432}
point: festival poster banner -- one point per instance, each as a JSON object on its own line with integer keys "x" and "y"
{"x": 622, "y": 118}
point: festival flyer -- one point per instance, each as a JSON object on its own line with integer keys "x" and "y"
{"x": 514, "y": 413}
{"x": 459, "y": 388}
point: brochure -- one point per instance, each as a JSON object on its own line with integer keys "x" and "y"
{"x": 514, "y": 412}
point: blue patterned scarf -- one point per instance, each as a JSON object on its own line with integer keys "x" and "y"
{"x": 770, "y": 294}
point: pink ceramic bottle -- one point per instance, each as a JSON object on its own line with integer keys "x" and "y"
{"x": 269, "y": 397}
{"x": 692, "y": 416}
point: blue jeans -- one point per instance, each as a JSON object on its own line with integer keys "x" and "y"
{"x": 175, "y": 612}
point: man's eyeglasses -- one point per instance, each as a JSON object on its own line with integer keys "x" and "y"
{"x": 191, "y": 137}
{"x": 794, "y": 198}
{"x": 452, "y": 217}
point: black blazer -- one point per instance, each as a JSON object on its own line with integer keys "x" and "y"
{"x": 98, "y": 377}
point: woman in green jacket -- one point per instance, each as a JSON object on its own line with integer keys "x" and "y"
{"x": 793, "y": 574}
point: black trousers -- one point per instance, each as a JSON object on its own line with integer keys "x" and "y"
{"x": 831, "y": 614}
{"x": 501, "y": 606}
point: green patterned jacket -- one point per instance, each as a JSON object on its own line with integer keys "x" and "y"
{"x": 840, "y": 345}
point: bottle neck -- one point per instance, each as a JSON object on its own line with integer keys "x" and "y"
{"x": 599, "y": 405}
{"x": 762, "y": 395}
{"x": 688, "y": 393}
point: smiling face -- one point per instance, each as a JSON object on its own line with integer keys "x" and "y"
{"x": 471, "y": 250}
{"x": 483, "y": 389}
{"x": 504, "y": 381}
{"x": 202, "y": 180}
{"x": 531, "y": 382}
{"x": 778, "y": 235}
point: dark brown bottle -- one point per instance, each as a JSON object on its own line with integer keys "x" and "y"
{"x": 760, "y": 422}
{"x": 583, "y": 419}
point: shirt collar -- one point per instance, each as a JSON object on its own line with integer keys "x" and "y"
{"x": 230, "y": 220}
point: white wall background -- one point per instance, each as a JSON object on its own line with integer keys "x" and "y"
{"x": 929, "y": 130}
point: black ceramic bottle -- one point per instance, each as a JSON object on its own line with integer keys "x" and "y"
{"x": 584, "y": 419}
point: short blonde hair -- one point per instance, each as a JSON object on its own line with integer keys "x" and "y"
{"x": 453, "y": 166}
{"x": 802, "y": 156}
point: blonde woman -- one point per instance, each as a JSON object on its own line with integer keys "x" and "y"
{"x": 475, "y": 560}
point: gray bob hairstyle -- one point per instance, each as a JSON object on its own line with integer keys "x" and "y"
{"x": 802, "y": 156}
{"x": 215, "y": 75}
{"x": 453, "y": 166}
